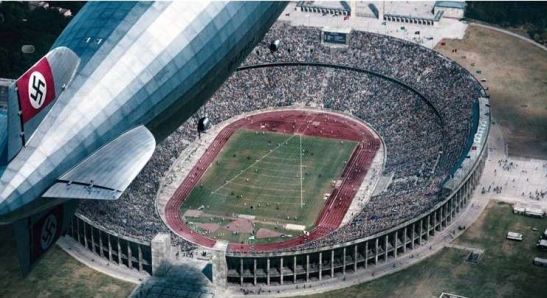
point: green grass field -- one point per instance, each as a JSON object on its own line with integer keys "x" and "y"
{"x": 263, "y": 174}
{"x": 516, "y": 74}
{"x": 505, "y": 270}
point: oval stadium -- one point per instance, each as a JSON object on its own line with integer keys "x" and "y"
{"x": 273, "y": 149}
{"x": 322, "y": 161}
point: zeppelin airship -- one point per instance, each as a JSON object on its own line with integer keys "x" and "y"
{"x": 85, "y": 119}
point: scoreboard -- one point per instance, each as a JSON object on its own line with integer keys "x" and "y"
{"x": 335, "y": 36}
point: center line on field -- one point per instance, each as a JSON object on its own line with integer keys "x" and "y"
{"x": 300, "y": 152}
{"x": 254, "y": 163}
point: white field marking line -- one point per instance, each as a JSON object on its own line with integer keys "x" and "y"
{"x": 272, "y": 203}
{"x": 252, "y": 182}
{"x": 274, "y": 166}
{"x": 279, "y": 163}
{"x": 287, "y": 159}
{"x": 273, "y": 176}
{"x": 277, "y": 167}
{"x": 270, "y": 193}
{"x": 282, "y": 154}
{"x": 261, "y": 195}
{"x": 281, "y": 170}
{"x": 253, "y": 179}
{"x": 264, "y": 188}
{"x": 245, "y": 170}
{"x": 276, "y": 170}
{"x": 300, "y": 153}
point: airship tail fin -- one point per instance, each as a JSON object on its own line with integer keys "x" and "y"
{"x": 35, "y": 235}
{"x": 31, "y": 97}
{"x": 105, "y": 174}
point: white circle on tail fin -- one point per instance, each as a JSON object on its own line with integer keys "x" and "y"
{"x": 49, "y": 230}
{"x": 37, "y": 90}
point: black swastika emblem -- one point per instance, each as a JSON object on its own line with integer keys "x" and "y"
{"x": 49, "y": 230}
{"x": 37, "y": 90}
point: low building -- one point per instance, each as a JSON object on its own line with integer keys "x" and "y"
{"x": 519, "y": 210}
{"x": 540, "y": 262}
{"x": 534, "y": 212}
{"x": 528, "y": 211}
{"x": 325, "y": 7}
{"x": 450, "y": 9}
{"x": 514, "y": 236}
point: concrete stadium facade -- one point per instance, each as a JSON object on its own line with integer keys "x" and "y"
{"x": 118, "y": 249}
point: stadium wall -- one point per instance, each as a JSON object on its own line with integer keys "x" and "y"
{"x": 278, "y": 268}
{"x": 109, "y": 245}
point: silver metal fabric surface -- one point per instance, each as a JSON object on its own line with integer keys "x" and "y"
{"x": 152, "y": 65}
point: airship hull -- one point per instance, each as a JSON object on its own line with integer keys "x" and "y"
{"x": 85, "y": 119}
{"x": 152, "y": 65}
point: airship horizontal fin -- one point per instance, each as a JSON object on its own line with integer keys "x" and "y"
{"x": 105, "y": 174}
{"x": 31, "y": 97}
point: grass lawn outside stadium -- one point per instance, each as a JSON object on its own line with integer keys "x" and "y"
{"x": 505, "y": 269}
{"x": 277, "y": 178}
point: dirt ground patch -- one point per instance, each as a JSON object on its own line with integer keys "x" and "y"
{"x": 476, "y": 233}
{"x": 209, "y": 227}
{"x": 193, "y": 213}
{"x": 240, "y": 225}
{"x": 516, "y": 75}
{"x": 266, "y": 233}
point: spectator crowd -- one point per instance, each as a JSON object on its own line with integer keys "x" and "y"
{"x": 424, "y": 116}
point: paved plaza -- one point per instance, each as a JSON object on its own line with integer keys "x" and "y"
{"x": 429, "y": 35}
{"x": 511, "y": 179}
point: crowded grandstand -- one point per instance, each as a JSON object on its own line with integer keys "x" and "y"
{"x": 423, "y": 105}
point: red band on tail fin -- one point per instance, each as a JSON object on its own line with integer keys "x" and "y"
{"x": 36, "y": 89}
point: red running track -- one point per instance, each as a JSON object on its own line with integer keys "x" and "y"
{"x": 310, "y": 123}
